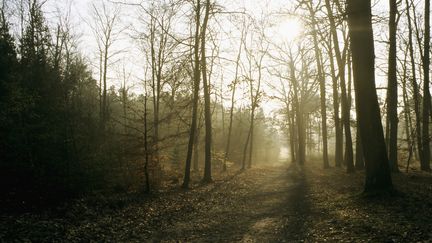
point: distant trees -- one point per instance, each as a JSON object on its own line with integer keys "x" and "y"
{"x": 48, "y": 98}
{"x": 104, "y": 25}
{"x": 63, "y": 128}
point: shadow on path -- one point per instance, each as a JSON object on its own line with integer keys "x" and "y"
{"x": 270, "y": 206}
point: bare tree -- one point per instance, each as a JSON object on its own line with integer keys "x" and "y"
{"x": 196, "y": 88}
{"x": 340, "y": 58}
{"x": 233, "y": 92}
{"x": 206, "y": 84}
{"x": 321, "y": 80}
{"x": 104, "y": 26}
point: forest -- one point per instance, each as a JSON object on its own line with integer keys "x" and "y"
{"x": 215, "y": 120}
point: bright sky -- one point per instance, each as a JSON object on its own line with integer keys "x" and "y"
{"x": 285, "y": 29}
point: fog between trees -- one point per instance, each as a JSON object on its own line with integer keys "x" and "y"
{"x": 175, "y": 90}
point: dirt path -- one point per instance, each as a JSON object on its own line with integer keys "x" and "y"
{"x": 258, "y": 205}
{"x": 269, "y": 204}
{"x": 269, "y": 207}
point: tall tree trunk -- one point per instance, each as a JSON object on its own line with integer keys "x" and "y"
{"x": 414, "y": 84}
{"x": 301, "y": 137}
{"x": 195, "y": 160}
{"x": 392, "y": 90}
{"x": 196, "y": 88}
{"x": 207, "y": 111}
{"x": 252, "y": 127}
{"x": 104, "y": 92}
{"x": 234, "y": 85}
{"x": 409, "y": 131}
{"x": 425, "y": 162}
{"x": 146, "y": 163}
{"x": 245, "y": 149}
{"x": 292, "y": 134}
{"x": 378, "y": 176}
{"x": 359, "y": 162}
{"x": 338, "y": 127}
{"x": 321, "y": 80}
{"x": 345, "y": 110}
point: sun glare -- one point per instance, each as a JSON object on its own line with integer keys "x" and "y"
{"x": 288, "y": 29}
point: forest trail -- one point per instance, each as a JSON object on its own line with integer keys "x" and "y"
{"x": 268, "y": 207}
{"x": 263, "y": 204}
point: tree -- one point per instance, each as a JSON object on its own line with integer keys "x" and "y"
{"x": 392, "y": 91}
{"x": 206, "y": 84}
{"x": 233, "y": 91}
{"x": 254, "y": 62}
{"x": 414, "y": 84}
{"x": 378, "y": 177}
{"x": 196, "y": 88}
{"x": 340, "y": 58}
{"x": 104, "y": 29}
{"x": 425, "y": 162}
{"x": 321, "y": 80}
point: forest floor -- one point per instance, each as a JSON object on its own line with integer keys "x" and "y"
{"x": 266, "y": 204}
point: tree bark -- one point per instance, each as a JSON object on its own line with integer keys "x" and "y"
{"x": 336, "y": 106}
{"x": 196, "y": 88}
{"x": 392, "y": 90}
{"x": 359, "y": 162}
{"x": 345, "y": 110}
{"x": 301, "y": 138}
{"x": 414, "y": 85}
{"x": 321, "y": 80}
{"x": 378, "y": 177}
{"x": 425, "y": 162}
{"x": 207, "y": 111}
{"x": 234, "y": 85}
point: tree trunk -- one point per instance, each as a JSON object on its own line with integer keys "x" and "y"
{"x": 252, "y": 127}
{"x": 321, "y": 80}
{"x": 207, "y": 111}
{"x": 291, "y": 127}
{"x": 425, "y": 162}
{"x": 195, "y": 162}
{"x": 345, "y": 110}
{"x": 359, "y": 162}
{"x": 415, "y": 85}
{"x": 338, "y": 127}
{"x": 234, "y": 85}
{"x": 378, "y": 177}
{"x": 196, "y": 88}
{"x": 146, "y": 163}
{"x": 245, "y": 149}
{"x": 301, "y": 137}
{"x": 392, "y": 90}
